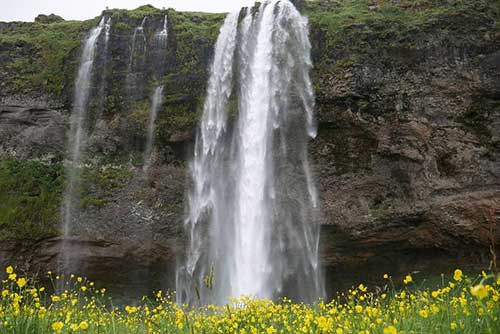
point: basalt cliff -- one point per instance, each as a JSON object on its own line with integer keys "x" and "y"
{"x": 407, "y": 157}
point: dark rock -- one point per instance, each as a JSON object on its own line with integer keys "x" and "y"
{"x": 47, "y": 19}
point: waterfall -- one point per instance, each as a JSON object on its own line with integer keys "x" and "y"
{"x": 102, "y": 84}
{"x": 77, "y": 134}
{"x": 162, "y": 36}
{"x": 252, "y": 223}
{"x": 161, "y": 41}
{"x": 207, "y": 170}
{"x": 155, "y": 106}
{"x": 137, "y": 61}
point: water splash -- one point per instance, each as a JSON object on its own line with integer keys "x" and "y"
{"x": 77, "y": 135}
{"x": 252, "y": 222}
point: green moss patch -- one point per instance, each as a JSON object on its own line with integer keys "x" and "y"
{"x": 30, "y": 197}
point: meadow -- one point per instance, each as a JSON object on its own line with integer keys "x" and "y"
{"x": 459, "y": 305}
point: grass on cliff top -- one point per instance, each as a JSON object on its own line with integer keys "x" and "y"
{"x": 41, "y": 56}
{"x": 462, "y": 305}
{"x": 391, "y": 19}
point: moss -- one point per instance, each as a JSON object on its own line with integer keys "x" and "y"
{"x": 99, "y": 184}
{"x": 359, "y": 26}
{"x": 40, "y": 56}
{"x": 30, "y": 199}
{"x": 121, "y": 27}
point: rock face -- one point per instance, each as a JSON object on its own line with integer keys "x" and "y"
{"x": 407, "y": 155}
{"x": 52, "y": 18}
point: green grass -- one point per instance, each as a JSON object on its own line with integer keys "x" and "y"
{"x": 30, "y": 198}
{"x": 461, "y": 305}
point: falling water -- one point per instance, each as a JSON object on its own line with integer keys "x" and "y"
{"x": 207, "y": 170}
{"x": 252, "y": 222}
{"x": 155, "y": 107}
{"x": 77, "y": 134}
{"x": 102, "y": 84}
{"x": 161, "y": 38}
{"x": 137, "y": 61}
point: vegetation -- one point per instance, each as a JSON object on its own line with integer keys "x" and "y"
{"x": 351, "y": 32}
{"x": 29, "y": 199}
{"x": 100, "y": 183}
{"x": 462, "y": 305}
{"x": 42, "y": 56}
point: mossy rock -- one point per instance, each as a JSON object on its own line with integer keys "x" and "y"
{"x": 30, "y": 199}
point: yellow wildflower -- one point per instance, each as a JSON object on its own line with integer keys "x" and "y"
{"x": 84, "y": 325}
{"x": 271, "y": 330}
{"x": 9, "y": 270}
{"x": 423, "y": 313}
{"x": 479, "y": 291}
{"x": 408, "y": 279}
{"x": 453, "y": 325}
{"x": 457, "y": 275}
{"x": 5, "y": 293}
{"x": 390, "y": 330}
{"x": 21, "y": 282}
{"x": 57, "y": 326}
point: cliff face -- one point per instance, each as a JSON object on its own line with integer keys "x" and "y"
{"x": 407, "y": 156}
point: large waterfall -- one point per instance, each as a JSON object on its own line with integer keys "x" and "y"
{"x": 77, "y": 134}
{"x": 252, "y": 222}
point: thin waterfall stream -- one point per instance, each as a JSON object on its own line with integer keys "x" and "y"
{"x": 157, "y": 99}
{"x": 77, "y": 137}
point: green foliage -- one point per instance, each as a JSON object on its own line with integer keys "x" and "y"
{"x": 98, "y": 184}
{"x": 30, "y": 196}
{"x": 41, "y": 56}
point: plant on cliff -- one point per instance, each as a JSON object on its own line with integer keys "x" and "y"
{"x": 29, "y": 199}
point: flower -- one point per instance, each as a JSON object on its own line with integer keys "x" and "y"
{"x": 9, "y": 270}
{"x": 408, "y": 279}
{"x": 5, "y": 293}
{"x": 271, "y": 330}
{"x": 386, "y": 276}
{"x": 453, "y": 325}
{"x": 423, "y": 313}
{"x": 12, "y": 277}
{"x": 457, "y": 275}
{"x": 21, "y": 282}
{"x": 390, "y": 330}
{"x": 57, "y": 326}
{"x": 84, "y": 325}
{"x": 131, "y": 309}
{"x": 479, "y": 291}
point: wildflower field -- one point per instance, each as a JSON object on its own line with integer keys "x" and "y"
{"x": 461, "y": 305}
